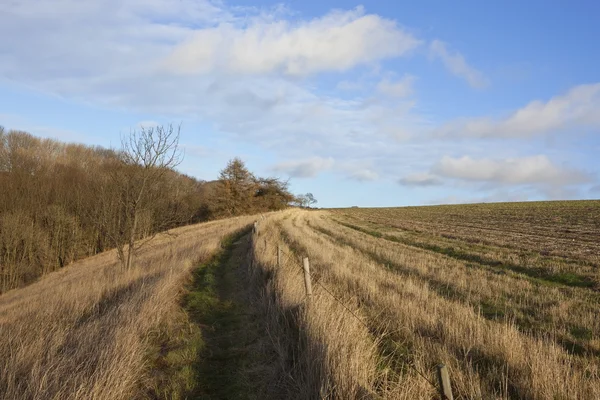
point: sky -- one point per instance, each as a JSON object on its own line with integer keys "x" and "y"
{"x": 380, "y": 103}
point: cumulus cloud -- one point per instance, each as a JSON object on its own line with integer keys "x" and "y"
{"x": 579, "y": 108}
{"x": 420, "y": 179}
{"x": 337, "y": 41}
{"x": 457, "y": 65}
{"x": 400, "y": 88}
{"x": 248, "y": 75}
{"x": 304, "y": 168}
{"x": 117, "y": 61}
{"x": 536, "y": 169}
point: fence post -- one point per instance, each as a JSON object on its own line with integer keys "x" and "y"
{"x": 307, "y": 283}
{"x": 278, "y": 256}
{"x": 444, "y": 381}
{"x": 255, "y": 229}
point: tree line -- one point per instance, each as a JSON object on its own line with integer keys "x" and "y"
{"x": 60, "y": 201}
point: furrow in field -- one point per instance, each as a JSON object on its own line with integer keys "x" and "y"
{"x": 565, "y": 314}
{"x": 551, "y": 271}
{"x": 487, "y": 358}
{"x": 570, "y": 232}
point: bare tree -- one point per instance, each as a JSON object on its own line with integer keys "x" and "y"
{"x": 136, "y": 187}
{"x": 305, "y": 200}
{"x": 310, "y": 200}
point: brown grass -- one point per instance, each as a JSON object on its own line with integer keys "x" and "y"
{"x": 85, "y": 332}
{"x": 322, "y": 353}
{"x": 394, "y": 295}
{"x": 422, "y": 308}
{"x": 553, "y": 228}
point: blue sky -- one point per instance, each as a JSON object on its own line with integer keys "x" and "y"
{"x": 382, "y": 103}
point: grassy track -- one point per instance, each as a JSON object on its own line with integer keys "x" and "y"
{"x": 220, "y": 304}
{"x": 215, "y": 304}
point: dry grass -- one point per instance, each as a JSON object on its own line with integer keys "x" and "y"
{"x": 394, "y": 295}
{"x": 553, "y": 228}
{"x": 322, "y": 353}
{"x": 421, "y": 308}
{"x": 85, "y": 332}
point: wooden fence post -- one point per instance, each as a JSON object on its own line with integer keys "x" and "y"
{"x": 278, "y": 256}
{"x": 444, "y": 381}
{"x": 307, "y": 283}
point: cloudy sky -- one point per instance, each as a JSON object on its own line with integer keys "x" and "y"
{"x": 381, "y": 104}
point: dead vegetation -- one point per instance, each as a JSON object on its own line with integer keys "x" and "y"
{"x": 385, "y": 312}
{"x": 393, "y": 296}
{"x": 88, "y": 331}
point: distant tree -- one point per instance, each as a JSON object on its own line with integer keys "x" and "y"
{"x": 310, "y": 199}
{"x": 305, "y": 200}
{"x": 60, "y": 202}
{"x": 3, "y": 151}
{"x": 235, "y": 192}
{"x": 299, "y": 200}
{"x": 272, "y": 194}
{"x": 23, "y": 247}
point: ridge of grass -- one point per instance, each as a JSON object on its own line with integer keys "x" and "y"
{"x": 539, "y": 275}
{"x": 488, "y": 309}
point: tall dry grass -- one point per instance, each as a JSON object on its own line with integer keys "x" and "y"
{"x": 545, "y": 310}
{"x": 322, "y": 353}
{"x": 84, "y": 332}
{"x": 412, "y": 325}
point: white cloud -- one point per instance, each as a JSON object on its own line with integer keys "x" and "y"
{"x": 401, "y": 88}
{"x": 525, "y": 170}
{"x": 112, "y": 59}
{"x": 357, "y": 168}
{"x": 336, "y": 42}
{"x": 420, "y": 179}
{"x": 179, "y": 12}
{"x": 304, "y": 168}
{"x": 579, "y": 108}
{"x": 250, "y": 83}
{"x": 457, "y": 65}
{"x": 199, "y": 151}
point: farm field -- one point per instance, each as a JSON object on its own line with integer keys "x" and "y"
{"x": 506, "y": 295}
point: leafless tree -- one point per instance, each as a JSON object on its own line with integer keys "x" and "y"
{"x": 136, "y": 185}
